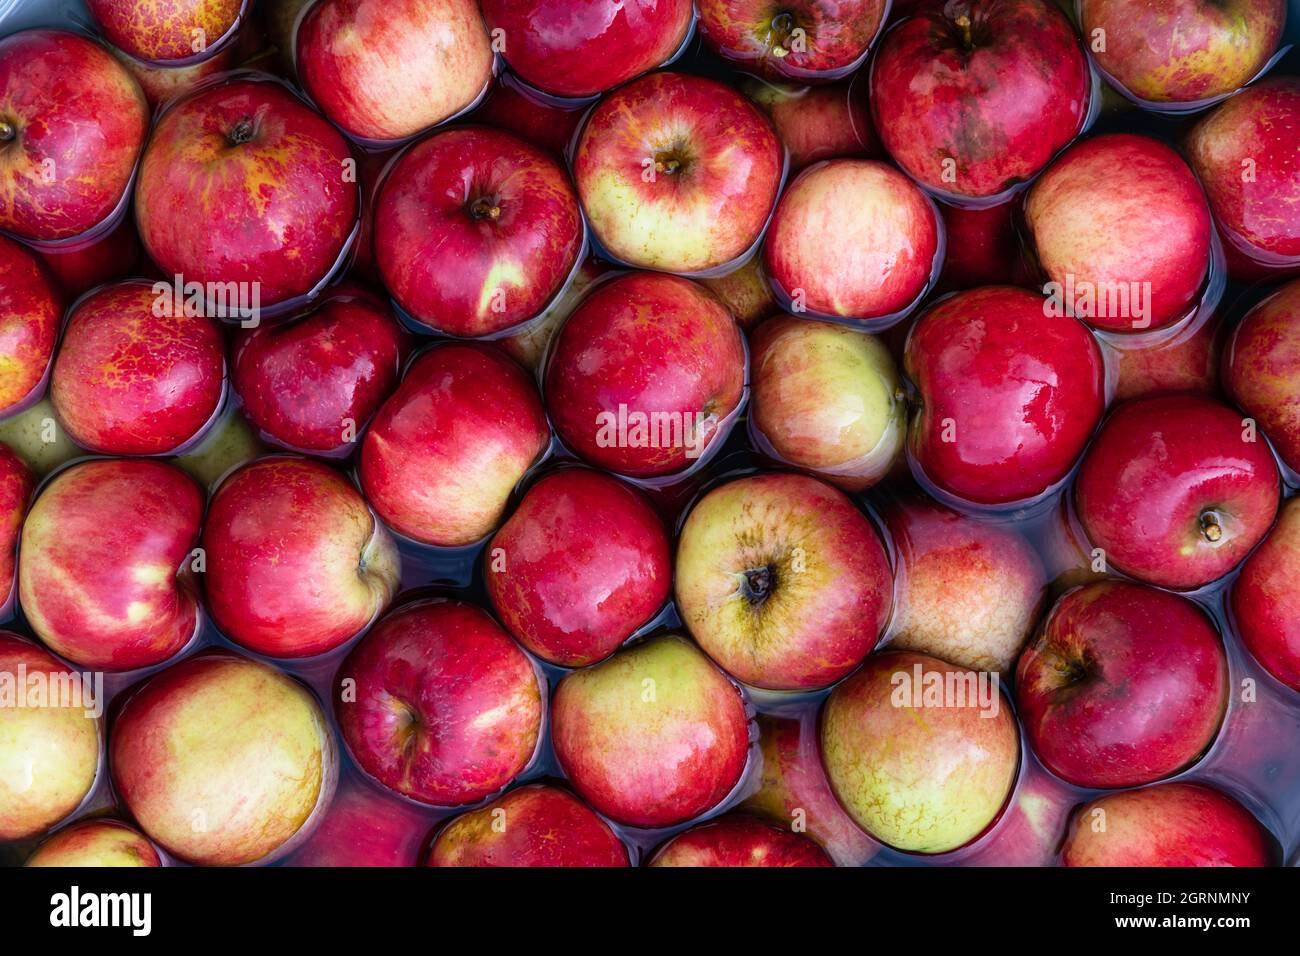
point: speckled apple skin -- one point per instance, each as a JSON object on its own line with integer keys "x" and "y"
{"x": 818, "y": 122}
{"x": 31, "y": 313}
{"x": 96, "y": 843}
{"x": 1261, "y": 369}
{"x": 1265, "y": 602}
{"x": 835, "y": 34}
{"x": 740, "y": 840}
{"x": 164, "y": 29}
{"x": 16, "y": 486}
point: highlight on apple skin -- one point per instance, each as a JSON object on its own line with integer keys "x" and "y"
{"x": 740, "y": 839}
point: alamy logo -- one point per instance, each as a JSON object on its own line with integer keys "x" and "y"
{"x": 628, "y": 428}
{"x": 919, "y": 688}
{"x": 215, "y": 300}
{"x": 41, "y": 688}
{"x": 1099, "y": 300}
{"x": 74, "y": 908}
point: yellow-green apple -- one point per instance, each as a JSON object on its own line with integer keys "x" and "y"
{"x": 49, "y": 741}
{"x": 1123, "y": 685}
{"x": 653, "y": 736}
{"x": 1008, "y": 395}
{"x": 162, "y": 32}
{"x": 476, "y": 231}
{"x": 387, "y": 69}
{"x": 31, "y": 314}
{"x": 740, "y": 840}
{"x": 818, "y": 122}
{"x": 826, "y": 398}
{"x": 162, "y": 84}
{"x": 223, "y": 761}
{"x": 1187, "y": 361}
{"x": 363, "y": 826}
{"x": 782, "y": 581}
{"x": 35, "y": 436}
{"x": 852, "y": 238}
{"x": 16, "y": 486}
{"x": 1170, "y": 824}
{"x": 225, "y": 446}
{"x": 1265, "y": 603}
{"x": 1147, "y": 275}
{"x": 1176, "y": 490}
{"x": 644, "y": 376}
{"x": 677, "y": 173}
{"x": 446, "y": 450}
{"x": 105, "y": 563}
{"x": 72, "y": 121}
{"x": 922, "y": 754}
{"x": 533, "y": 117}
{"x": 96, "y": 843}
{"x": 745, "y": 292}
{"x": 80, "y": 265}
{"x": 581, "y": 564}
{"x": 535, "y": 825}
{"x": 296, "y": 562}
{"x": 437, "y": 703}
{"x": 528, "y": 346}
{"x": 1261, "y": 369}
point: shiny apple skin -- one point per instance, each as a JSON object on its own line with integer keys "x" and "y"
{"x": 579, "y": 48}
{"x": 275, "y": 209}
{"x": 856, "y": 236}
{"x": 127, "y": 381}
{"x": 1072, "y": 210}
{"x": 836, "y": 34}
{"x": 149, "y": 30}
{"x": 1000, "y": 107}
{"x": 545, "y": 123}
{"x": 81, "y": 266}
{"x": 446, "y": 450}
{"x": 445, "y": 709}
{"x": 581, "y": 564}
{"x": 1024, "y": 393}
{"x": 536, "y": 825}
{"x": 31, "y": 315}
{"x": 818, "y": 122}
{"x": 56, "y": 748}
{"x": 16, "y": 486}
{"x": 476, "y": 231}
{"x": 982, "y": 247}
{"x": 721, "y": 170}
{"x": 1261, "y": 369}
{"x": 1187, "y": 363}
{"x": 1181, "y": 51}
{"x": 746, "y": 293}
{"x": 312, "y": 382}
{"x": 1171, "y": 824}
{"x": 363, "y": 826}
{"x": 1264, "y": 601}
{"x": 387, "y": 69}
{"x": 104, "y": 560}
{"x": 655, "y": 343}
{"x": 740, "y": 840}
{"x": 782, "y": 581}
{"x": 653, "y": 736}
{"x": 96, "y": 843}
{"x": 71, "y": 105}
{"x": 1161, "y": 471}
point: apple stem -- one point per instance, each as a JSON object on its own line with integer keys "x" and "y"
{"x": 7, "y": 131}
{"x": 484, "y": 208}
{"x": 1210, "y": 527}
{"x": 782, "y": 27}
{"x": 963, "y": 21}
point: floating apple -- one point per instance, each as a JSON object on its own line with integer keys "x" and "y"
{"x": 528, "y": 346}
{"x": 84, "y": 264}
{"x": 162, "y": 84}
{"x": 365, "y": 827}
{"x": 96, "y": 843}
{"x": 16, "y": 485}
{"x": 982, "y": 247}
{"x": 169, "y": 31}
{"x": 34, "y": 436}
{"x": 1186, "y": 362}
{"x": 1261, "y": 369}
{"x": 818, "y": 122}
{"x": 745, "y": 292}
{"x": 740, "y": 839}
{"x": 532, "y": 117}
{"x": 1264, "y": 600}
{"x": 31, "y": 314}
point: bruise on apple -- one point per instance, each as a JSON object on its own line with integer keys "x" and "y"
{"x": 740, "y": 840}
{"x": 31, "y": 314}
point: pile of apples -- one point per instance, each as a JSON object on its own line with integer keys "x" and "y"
{"x": 602, "y": 432}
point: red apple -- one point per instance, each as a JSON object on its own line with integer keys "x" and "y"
{"x": 175, "y": 30}
{"x": 1172, "y": 824}
{"x": 818, "y": 122}
{"x": 1146, "y": 274}
{"x": 96, "y": 843}
{"x": 387, "y": 69}
{"x": 365, "y": 827}
{"x": 446, "y": 450}
{"x": 1186, "y": 361}
{"x": 677, "y": 173}
{"x": 31, "y": 315}
{"x": 1261, "y": 369}
{"x": 852, "y": 238}
{"x": 1009, "y": 395}
{"x": 476, "y": 231}
{"x": 1176, "y": 490}
{"x": 71, "y": 128}
{"x": 1029, "y": 833}
{"x": 1265, "y": 603}
{"x": 528, "y": 346}
{"x": 162, "y": 84}
{"x": 653, "y": 736}
{"x": 975, "y": 97}
{"x": 16, "y": 486}
{"x": 104, "y": 566}
{"x": 1069, "y": 558}
{"x": 438, "y": 704}
{"x": 516, "y": 109}
{"x": 982, "y": 247}
{"x": 740, "y": 840}
{"x": 745, "y": 292}
{"x": 645, "y": 374}
{"x": 782, "y": 581}
{"x": 264, "y": 183}
{"x": 80, "y": 266}
{"x": 535, "y": 825}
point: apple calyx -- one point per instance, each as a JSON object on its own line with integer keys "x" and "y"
{"x": 668, "y": 163}
{"x": 1065, "y": 667}
{"x": 757, "y": 584}
{"x": 1211, "y": 526}
{"x": 485, "y": 207}
{"x": 7, "y": 132}
{"x": 242, "y": 132}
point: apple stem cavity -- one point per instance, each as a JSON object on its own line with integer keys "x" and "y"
{"x": 1211, "y": 529}
{"x": 963, "y": 22}
{"x": 7, "y": 131}
{"x": 757, "y": 584}
{"x": 241, "y": 133}
{"x": 484, "y": 208}
{"x": 782, "y": 28}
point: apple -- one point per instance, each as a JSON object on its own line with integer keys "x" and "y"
{"x": 365, "y": 827}
{"x": 1009, "y": 394}
{"x": 1176, "y": 490}
{"x": 71, "y": 128}
{"x": 826, "y": 398}
{"x": 653, "y": 736}
{"x": 223, "y": 761}
{"x": 1187, "y": 361}
{"x": 745, "y": 292}
{"x": 852, "y": 238}
{"x": 50, "y": 758}
{"x": 162, "y": 84}
{"x": 968, "y": 592}
{"x": 34, "y": 436}
{"x": 1261, "y": 369}
{"x": 782, "y": 581}
{"x": 1068, "y": 556}
{"x": 1171, "y": 824}
{"x": 387, "y": 69}
{"x": 16, "y": 486}
{"x": 156, "y": 32}
{"x": 580, "y": 48}
{"x": 128, "y": 380}
{"x": 313, "y": 383}
{"x": 1029, "y": 833}
{"x": 914, "y": 755}
{"x": 643, "y": 378}
{"x": 581, "y": 564}
{"x": 96, "y": 843}
{"x": 269, "y": 206}
{"x": 1147, "y": 274}
{"x": 817, "y": 122}
{"x": 104, "y": 565}
{"x": 982, "y": 247}
{"x": 677, "y": 173}
{"x": 544, "y": 122}
{"x": 437, "y": 703}
{"x": 1264, "y": 602}
{"x": 1182, "y": 51}
{"x": 278, "y": 20}
{"x": 476, "y": 231}
{"x": 529, "y": 345}
{"x": 82, "y": 265}
{"x": 739, "y": 839}
{"x": 225, "y": 446}
{"x": 31, "y": 315}
{"x": 535, "y": 825}
{"x": 445, "y": 451}
{"x": 973, "y": 98}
